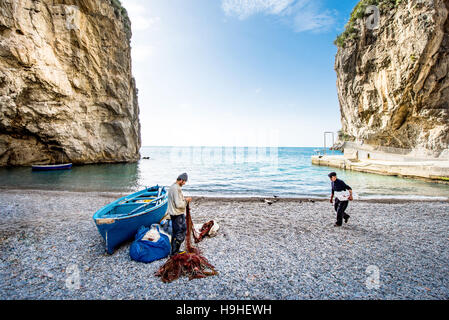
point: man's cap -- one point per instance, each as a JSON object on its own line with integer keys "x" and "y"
{"x": 332, "y": 174}
{"x": 183, "y": 177}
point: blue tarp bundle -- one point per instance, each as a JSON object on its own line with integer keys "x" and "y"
{"x": 148, "y": 251}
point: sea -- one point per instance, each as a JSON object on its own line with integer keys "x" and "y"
{"x": 224, "y": 172}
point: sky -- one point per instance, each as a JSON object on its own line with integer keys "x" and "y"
{"x": 236, "y": 72}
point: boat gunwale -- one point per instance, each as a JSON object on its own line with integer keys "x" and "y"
{"x": 51, "y": 165}
{"x": 113, "y": 204}
{"x": 137, "y": 214}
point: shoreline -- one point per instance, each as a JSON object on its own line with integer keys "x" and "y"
{"x": 280, "y": 199}
{"x": 287, "y": 251}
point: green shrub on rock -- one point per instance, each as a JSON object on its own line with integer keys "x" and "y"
{"x": 351, "y": 31}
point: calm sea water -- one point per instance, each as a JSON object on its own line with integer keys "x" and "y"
{"x": 231, "y": 172}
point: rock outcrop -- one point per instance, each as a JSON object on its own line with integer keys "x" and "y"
{"x": 66, "y": 89}
{"x": 393, "y": 82}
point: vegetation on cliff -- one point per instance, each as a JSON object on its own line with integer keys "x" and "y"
{"x": 343, "y": 136}
{"x": 351, "y": 31}
{"x": 122, "y": 14}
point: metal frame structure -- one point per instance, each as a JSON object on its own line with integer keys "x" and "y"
{"x": 333, "y": 140}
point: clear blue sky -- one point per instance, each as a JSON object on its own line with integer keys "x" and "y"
{"x": 236, "y": 72}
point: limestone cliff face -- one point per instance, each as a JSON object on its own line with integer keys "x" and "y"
{"x": 66, "y": 89}
{"x": 393, "y": 83}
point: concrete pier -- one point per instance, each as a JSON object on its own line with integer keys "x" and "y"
{"x": 429, "y": 170}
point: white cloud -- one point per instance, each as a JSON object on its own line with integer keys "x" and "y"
{"x": 313, "y": 20}
{"x": 301, "y": 15}
{"x": 141, "y": 53}
{"x": 186, "y": 107}
{"x": 246, "y": 8}
{"x": 140, "y": 21}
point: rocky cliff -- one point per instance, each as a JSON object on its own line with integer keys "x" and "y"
{"x": 66, "y": 89}
{"x": 392, "y": 80}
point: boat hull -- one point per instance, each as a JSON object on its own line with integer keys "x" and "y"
{"x": 115, "y": 231}
{"x": 52, "y": 167}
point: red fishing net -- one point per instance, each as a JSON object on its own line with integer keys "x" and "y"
{"x": 203, "y": 231}
{"x": 190, "y": 263}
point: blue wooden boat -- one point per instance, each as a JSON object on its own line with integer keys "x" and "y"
{"x": 66, "y": 166}
{"x": 119, "y": 221}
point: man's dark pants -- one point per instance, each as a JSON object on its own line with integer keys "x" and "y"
{"x": 340, "y": 207}
{"x": 179, "y": 227}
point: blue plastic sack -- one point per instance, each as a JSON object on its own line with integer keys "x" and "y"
{"x": 148, "y": 251}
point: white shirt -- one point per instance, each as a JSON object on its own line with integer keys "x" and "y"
{"x": 176, "y": 202}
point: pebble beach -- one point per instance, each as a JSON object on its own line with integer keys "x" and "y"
{"x": 50, "y": 249}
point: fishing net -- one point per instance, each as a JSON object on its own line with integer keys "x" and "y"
{"x": 203, "y": 231}
{"x": 189, "y": 263}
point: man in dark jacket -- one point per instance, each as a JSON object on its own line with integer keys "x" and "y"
{"x": 341, "y": 198}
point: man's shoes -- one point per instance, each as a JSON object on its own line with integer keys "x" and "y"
{"x": 175, "y": 247}
{"x": 347, "y": 218}
{"x": 337, "y": 225}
